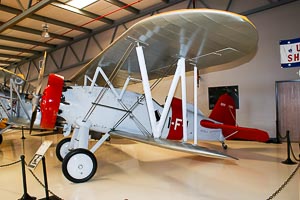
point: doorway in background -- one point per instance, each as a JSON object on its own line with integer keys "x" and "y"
{"x": 288, "y": 109}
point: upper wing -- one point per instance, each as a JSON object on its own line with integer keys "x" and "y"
{"x": 6, "y": 76}
{"x": 177, "y": 146}
{"x": 206, "y": 37}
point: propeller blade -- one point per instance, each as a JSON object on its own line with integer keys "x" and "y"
{"x": 41, "y": 75}
{"x": 33, "y": 117}
{"x": 37, "y": 94}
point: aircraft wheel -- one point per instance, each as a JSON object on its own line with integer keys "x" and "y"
{"x": 224, "y": 146}
{"x": 79, "y": 165}
{"x": 62, "y": 148}
{"x": 1, "y": 138}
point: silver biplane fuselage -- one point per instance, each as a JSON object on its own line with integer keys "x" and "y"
{"x": 128, "y": 113}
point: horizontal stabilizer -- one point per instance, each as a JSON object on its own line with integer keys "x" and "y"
{"x": 173, "y": 145}
{"x": 242, "y": 133}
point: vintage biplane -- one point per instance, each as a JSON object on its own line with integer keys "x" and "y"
{"x": 15, "y": 106}
{"x": 166, "y": 44}
{"x": 19, "y": 100}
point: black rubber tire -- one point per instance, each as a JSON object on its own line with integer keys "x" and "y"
{"x": 69, "y": 160}
{"x": 224, "y": 146}
{"x": 59, "y": 156}
{"x": 1, "y": 138}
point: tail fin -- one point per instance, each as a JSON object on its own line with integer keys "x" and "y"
{"x": 224, "y": 110}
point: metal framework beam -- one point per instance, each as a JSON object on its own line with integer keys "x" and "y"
{"x": 38, "y": 32}
{"x": 121, "y": 4}
{"x": 21, "y": 50}
{"x": 83, "y": 12}
{"x": 266, "y": 7}
{"x": 19, "y": 40}
{"x": 6, "y": 62}
{"x": 25, "y": 14}
{"x": 42, "y": 19}
{"x": 11, "y": 56}
{"x": 142, "y": 13}
{"x": 97, "y": 31}
{"x": 228, "y": 5}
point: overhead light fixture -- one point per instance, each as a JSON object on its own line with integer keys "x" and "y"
{"x": 80, "y": 3}
{"x": 45, "y": 32}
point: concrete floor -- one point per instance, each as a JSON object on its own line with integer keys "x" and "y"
{"x": 135, "y": 171}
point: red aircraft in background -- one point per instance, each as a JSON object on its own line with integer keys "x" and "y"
{"x": 225, "y": 113}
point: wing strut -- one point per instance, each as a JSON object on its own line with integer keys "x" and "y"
{"x": 13, "y": 87}
{"x": 195, "y": 105}
{"x": 179, "y": 73}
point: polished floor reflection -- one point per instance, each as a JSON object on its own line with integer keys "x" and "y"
{"x": 135, "y": 171}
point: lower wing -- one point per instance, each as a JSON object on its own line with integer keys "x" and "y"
{"x": 173, "y": 145}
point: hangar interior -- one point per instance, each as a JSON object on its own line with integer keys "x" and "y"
{"x": 130, "y": 170}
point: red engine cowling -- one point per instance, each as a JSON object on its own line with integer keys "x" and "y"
{"x": 50, "y": 101}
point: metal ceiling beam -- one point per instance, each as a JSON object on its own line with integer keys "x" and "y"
{"x": 17, "y": 49}
{"x": 6, "y": 62}
{"x": 228, "y": 5}
{"x": 25, "y": 41}
{"x": 142, "y": 13}
{"x": 121, "y": 4}
{"x": 44, "y": 19}
{"x": 24, "y": 14}
{"x": 11, "y": 56}
{"x": 83, "y": 12}
{"x": 266, "y": 7}
{"x": 205, "y": 4}
{"x": 38, "y": 32}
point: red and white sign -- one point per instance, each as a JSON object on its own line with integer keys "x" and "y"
{"x": 290, "y": 53}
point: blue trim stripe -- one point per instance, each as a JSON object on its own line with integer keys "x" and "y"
{"x": 288, "y": 65}
{"x": 291, "y": 41}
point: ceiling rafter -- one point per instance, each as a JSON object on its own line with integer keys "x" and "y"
{"x": 43, "y": 19}
{"x": 228, "y": 5}
{"x": 90, "y": 34}
{"x": 20, "y": 4}
{"x": 124, "y": 20}
{"x": 267, "y": 6}
{"x": 6, "y": 62}
{"x": 121, "y": 4}
{"x": 83, "y": 12}
{"x": 25, "y": 41}
{"x": 17, "y": 49}
{"x": 39, "y": 32}
{"x": 11, "y": 56}
{"x": 24, "y": 14}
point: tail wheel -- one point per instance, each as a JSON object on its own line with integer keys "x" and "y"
{"x": 1, "y": 138}
{"x": 79, "y": 165}
{"x": 62, "y": 148}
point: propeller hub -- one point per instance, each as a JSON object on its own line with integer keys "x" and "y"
{"x": 51, "y": 100}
